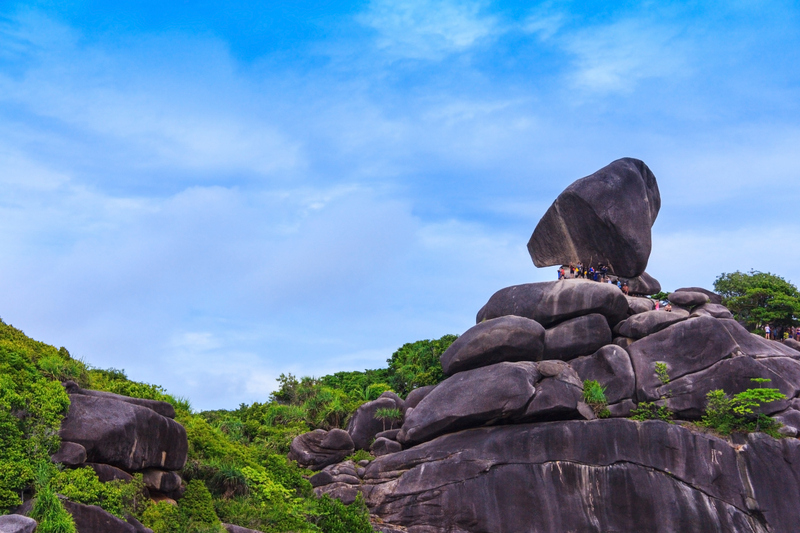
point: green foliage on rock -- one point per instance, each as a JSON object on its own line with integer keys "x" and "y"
{"x": 417, "y": 364}
{"x": 594, "y": 395}
{"x": 335, "y": 517}
{"x": 759, "y": 298}
{"x": 118, "y": 497}
{"x": 651, "y": 411}
{"x": 726, "y": 414}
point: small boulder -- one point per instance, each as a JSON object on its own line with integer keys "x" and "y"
{"x": 17, "y": 523}
{"x": 623, "y": 342}
{"x": 383, "y": 446}
{"x": 644, "y": 285}
{"x": 602, "y": 219}
{"x": 611, "y": 367}
{"x": 416, "y": 396}
{"x": 472, "y": 398}
{"x": 161, "y": 481}
{"x": 688, "y": 299}
{"x": 70, "y": 454}
{"x": 551, "y": 302}
{"x": 555, "y": 400}
{"x": 712, "y": 309}
{"x": 319, "y": 448}
{"x": 345, "y": 472}
{"x": 576, "y": 337}
{"x": 390, "y": 434}
{"x": 506, "y": 338}
{"x": 107, "y": 473}
{"x": 644, "y": 324}
{"x": 363, "y": 426}
{"x": 713, "y": 297}
{"x": 639, "y": 305}
{"x": 230, "y": 528}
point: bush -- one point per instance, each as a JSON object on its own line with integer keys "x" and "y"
{"x": 417, "y": 364}
{"x": 727, "y": 415}
{"x": 50, "y": 514}
{"x": 651, "y": 411}
{"x": 118, "y": 497}
{"x": 163, "y": 517}
{"x": 332, "y": 516}
{"x": 197, "y": 508}
{"x": 594, "y": 395}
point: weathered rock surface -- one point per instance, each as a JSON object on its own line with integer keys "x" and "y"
{"x": 755, "y": 346}
{"x": 472, "y": 398}
{"x": 576, "y": 337}
{"x": 686, "y": 395}
{"x": 551, "y": 302}
{"x": 686, "y": 347}
{"x": 604, "y": 218}
{"x": 15, "y": 523}
{"x": 338, "y": 481}
{"x": 162, "y": 408}
{"x": 161, "y": 481}
{"x": 506, "y": 338}
{"x": 416, "y": 396}
{"x": 555, "y": 399}
{"x": 644, "y": 324}
{"x": 611, "y": 367}
{"x": 688, "y": 298}
{"x": 711, "y": 309}
{"x": 603, "y": 475}
{"x": 319, "y": 448}
{"x": 124, "y": 434}
{"x": 382, "y": 446}
{"x": 363, "y": 426}
{"x": 793, "y": 344}
{"x": 644, "y": 284}
{"x": 713, "y": 297}
{"x": 639, "y": 305}
{"x": 390, "y": 434}
{"x": 70, "y": 454}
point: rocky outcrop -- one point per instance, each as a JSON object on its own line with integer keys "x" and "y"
{"x": 576, "y": 337}
{"x": 602, "y": 219}
{"x": 551, "y": 302}
{"x": 124, "y": 434}
{"x": 338, "y": 481}
{"x": 603, "y": 475}
{"x": 507, "y": 338}
{"x": 319, "y": 448}
{"x": 363, "y": 425}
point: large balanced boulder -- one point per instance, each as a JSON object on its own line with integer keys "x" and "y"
{"x": 319, "y": 448}
{"x": 473, "y": 398}
{"x": 602, "y": 475}
{"x": 713, "y": 297}
{"x": 551, "y": 302}
{"x": 686, "y": 347}
{"x": 364, "y": 425}
{"x": 611, "y": 367}
{"x": 602, "y": 219}
{"x": 688, "y": 298}
{"x": 507, "y": 338}
{"x": 124, "y": 434}
{"x": 576, "y": 337}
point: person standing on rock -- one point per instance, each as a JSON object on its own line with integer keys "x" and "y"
{"x": 668, "y": 308}
{"x": 767, "y": 332}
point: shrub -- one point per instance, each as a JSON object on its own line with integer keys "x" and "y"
{"x": 662, "y": 372}
{"x": 651, "y": 411}
{"x": 50, "y": 514}
{"x": 197, "y": 508}
{"x": 332, "y": 516}
{"x": 727, "y": 415}
{"x": 163, "y": 517}
{"x": 391, "y": 414}
{"x": 594, "y": 395}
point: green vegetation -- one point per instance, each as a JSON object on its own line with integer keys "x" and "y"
{"x": 594, "y": 395}
{"x": 236, "y": 472}
{"x": 726, "y": 414}
{"x": 759, "y": 298}
{"x": 392, "y": 415}
{"x": 661, "y": 372}
{"x": 651, "y": 411}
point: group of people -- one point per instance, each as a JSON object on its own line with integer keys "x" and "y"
{"x": 781, "y": 333}
{"x": 599, "y": 274}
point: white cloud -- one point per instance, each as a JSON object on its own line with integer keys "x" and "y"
{"x": 428, "y": 29}
{"x": 616, "y": 56}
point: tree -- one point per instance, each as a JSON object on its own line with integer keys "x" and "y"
{"x": 416, "y": 364}
{"x": 759, "y": 298}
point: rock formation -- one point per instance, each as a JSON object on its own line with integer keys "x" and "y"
{"x": 602, "y": 219}
{"x": 506, "y": 442}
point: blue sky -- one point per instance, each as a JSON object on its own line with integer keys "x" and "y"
{"x": 209, "y": 194}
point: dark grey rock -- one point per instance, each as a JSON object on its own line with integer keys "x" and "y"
{"x": 15, "y": 523}
{"x": 644, "y": 324}
{"x": 621, "y": 409}
{"x": 576, "y": 337}
{"x": 686, "y": 347}
{"x": 754, "y": 345}
{"x": 93, "y": 519}
{"x": 416, "y": 396}
{"x": 345, "y": 472}
{"x": 162, "y": 408}
{"x": 124, "y": 434}
{"x": 793, "y": 344}
{"x": 686, "y": 396}
{"x": 623, "y": 342}
{"x": 688, "y": 299}
{"x": 319, "y": 448}
{"x": 639, "y": 305}
{"x": 603, "y": 475}
{"x": 473, "y": 398}
{"x": 602, "y": 219}
{"x": 161, "y": 481}
{"x": 551, "y": 302}
{"x": 341, "y": 491}
{"x": 644, "y": 285}
{"x": 107, "y": 473}
{"x": 506, "y": 338}
{"x": 363, "y": 426}
{"x": 382, "y": 446}
{"x": 711, "y": 309}
{"x": 713, "y": 297}
{"x": 611, "y": 367}
{"x": 789, "y": 417}
{"x": 390, "y": 434}
{"x": 70, "y": 454}
{"x": 230, "y": 528}
{"x": 555, "y": 400}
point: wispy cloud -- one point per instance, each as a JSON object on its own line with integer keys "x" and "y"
{"x": 429, "y": 29}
